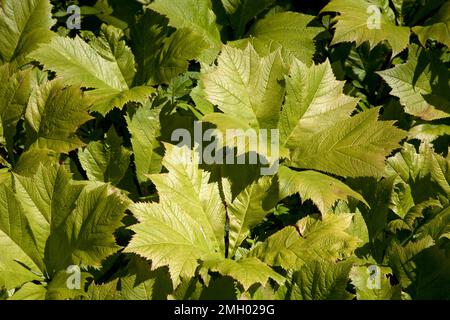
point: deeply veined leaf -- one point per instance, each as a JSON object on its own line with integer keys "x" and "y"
{"x": 365, "y": 20}
{"x": 314, "y": 101}
{"x": 23, "y": 26}
{"x": 311, "y": 239}
{"x": 321, "y": 281}
{"x": 436, "y": 28}
{"x": 248, "y": 271}
{"x": 54, "y": 114}
{"x": 287, "y": 30}
{"x": 197, "y": 16}
{"x": 63, "y": 223}
{"x": 246, "y": 87}
{"x": 80, "y": 64}
{"x": 187, "y": 224}
{"x": 421, "y": 84}
{"x": 350, "y": 148}
{"x": 323, "y": 190}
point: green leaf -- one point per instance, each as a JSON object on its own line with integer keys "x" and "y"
{"x": 111, "y": 47}
{"x": 311, "y": 239}
{"x": 436, "y": 28}
{"x": 106, "y": 161}
{"x": 63, "y": 223}
{"x": 323, "y": 190}
{"x": 429, "y": 132}
{"x": 161, "y": 56}
{"x": 287, "y": 30}
{"x": 80, "y": 64}
{"x": 421, "y": 84}
{"x": 245, "y": 211}
{"x": 23, "y": 26}
{"x": 350, "y": 148}
{"x": 248, "y": 271}
{"x": 181, "y": 47}
{"x": 54, "y": 114}
{"x": 246, "y": 87}
{"x": 187, "y": 224}
{"x": 314, "y": 101}
{"x": 358, "y": 22}
{"x": 144, "y": 127}
{"x": 319, "y": 281}
{"x": 197, "y": 16}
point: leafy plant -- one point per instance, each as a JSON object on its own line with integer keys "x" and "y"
{"x": 105, "y": 191}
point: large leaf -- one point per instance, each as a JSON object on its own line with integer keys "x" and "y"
{"x": 353, "y": 147}
{"x": 246, "y": 88}
{"x": 357, "y": 21}
{"x": 188, "y": 222}
{"x": 421, "y": 84}
{"x": 23, "y": 26}
{"x": 63, "y": 223}
{"x": 81, "y": 64}
{"x": 54, "y": 114}
{"x": 195, "y": 15}
{"x": 314, "y": 101}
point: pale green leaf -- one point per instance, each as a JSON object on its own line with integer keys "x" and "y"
{"x": 80, "y": 64}
{"x": 246, "y": 87}
{"x": 248, "y": 271}
{"x": 187, "y": 224}
{"x": 314, "y": 101}
{"x": 421, "y": 84}
{"x": 54, "y": 114}
{"x": 358, "y": 22}
{"x": 245, "y": 211}
{"x": 354, "y": 147}
{"x": 323, "y": 190}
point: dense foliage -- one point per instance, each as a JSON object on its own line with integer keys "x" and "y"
{"x": 91, "y": 179}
